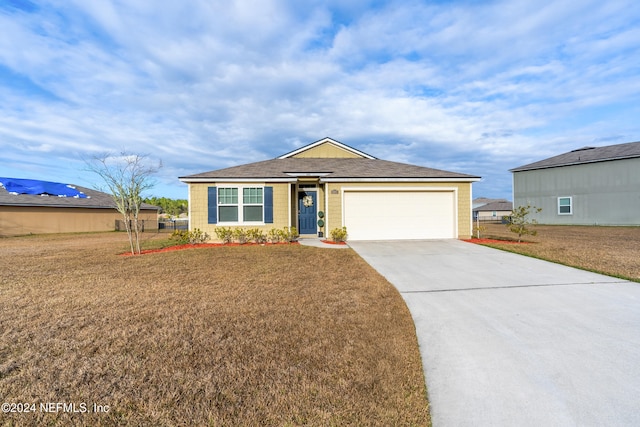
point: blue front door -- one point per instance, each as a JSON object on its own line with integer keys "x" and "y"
{"x": 307, "y": 212}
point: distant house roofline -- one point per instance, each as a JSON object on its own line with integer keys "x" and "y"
{"x": 30, "y": 192}
{"x": 586, "y": 155}
{"x": 501, "y": 205}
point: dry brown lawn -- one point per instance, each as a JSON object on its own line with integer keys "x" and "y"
{"x": 280, "y": 335}
{"x": 610, "y": 250}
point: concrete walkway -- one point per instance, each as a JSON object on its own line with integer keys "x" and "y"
{"x": 508, "y": 340}
{"x": 318, "y": 243}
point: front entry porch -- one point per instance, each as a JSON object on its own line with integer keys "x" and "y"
{"x": 308, "y": 201}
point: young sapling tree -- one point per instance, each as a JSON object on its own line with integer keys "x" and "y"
{"x": 521, "y": 222}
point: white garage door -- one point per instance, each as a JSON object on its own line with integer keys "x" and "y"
{"x": 386, "y": 215}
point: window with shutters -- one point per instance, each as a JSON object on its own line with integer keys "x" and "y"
{"x": 240, "y": 204}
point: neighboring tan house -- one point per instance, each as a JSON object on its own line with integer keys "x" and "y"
{"x": 330, "y": 181}
{"x": 493, "y": 211}
{"x": 38, "y": 207}
{"x": 587, "y": 186}
{"x": 481, "y": 201}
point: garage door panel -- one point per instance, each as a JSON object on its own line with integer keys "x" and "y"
{"x": 384, "y": 215}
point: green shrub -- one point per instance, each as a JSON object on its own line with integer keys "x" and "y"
{"x": 256, "y": 235}
{"x": 289, "y": 234}
{"x": 240, "y": 235}
{"x": 224, "y": 234}
{"x": 195, "y": 236}
{"x": 274, "y": 235}
{"x": 339, "y": 234}
{"x": 181, "y": 236}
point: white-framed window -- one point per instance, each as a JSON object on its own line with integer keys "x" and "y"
{"x": 252, "y": 204}
{"x": 240, "y": 204}
{"x": 228, "y": 204}
{"x": 565, "y": 205}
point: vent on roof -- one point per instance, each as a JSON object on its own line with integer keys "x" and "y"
{"x": 583, "y": 149}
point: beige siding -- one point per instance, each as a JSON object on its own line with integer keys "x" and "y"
{"x": 198, "y": 202}
{"x": 294, "y": 207}
{"x": 321, "y": 197}
{"x": 327, "y": 150}
{"x": 280, "y": 206}
{"x": 333, "y": 213}
{"x": 334, "y": 210}
{"x": 465, "y": 217}
{"x": 20, "y": 220}
{"x": 198, "y": 197}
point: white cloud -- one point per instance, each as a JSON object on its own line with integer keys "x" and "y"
{"x": 210, "y": 84}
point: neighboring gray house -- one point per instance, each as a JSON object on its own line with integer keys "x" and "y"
{"x": 587, "y": 186}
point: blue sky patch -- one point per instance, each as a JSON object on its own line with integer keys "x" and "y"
{"x": 468, "y": 86}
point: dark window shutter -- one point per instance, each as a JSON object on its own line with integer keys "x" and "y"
{"x": 213, "y": 205}
{"x": 268, "y": 205}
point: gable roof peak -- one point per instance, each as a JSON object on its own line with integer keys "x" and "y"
{"x": 327, "y": 140}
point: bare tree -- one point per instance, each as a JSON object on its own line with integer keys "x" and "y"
{"x": 127, "y": 176}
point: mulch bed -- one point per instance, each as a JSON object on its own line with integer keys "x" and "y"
{"x": 203, "y": 245}
{"x": 331, "y": 242}
{"x": 508, "y": 242}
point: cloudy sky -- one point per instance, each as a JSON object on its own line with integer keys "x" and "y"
{"x": 469, "y": 86}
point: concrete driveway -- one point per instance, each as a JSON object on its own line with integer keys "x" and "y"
{"x": 508, "y": 340}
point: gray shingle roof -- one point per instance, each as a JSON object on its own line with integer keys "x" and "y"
{"x": 501, "y": 205}
{"x": 96, "y": 200}
{"x": 329, "y": 168}
{"x": 586, "y": 155}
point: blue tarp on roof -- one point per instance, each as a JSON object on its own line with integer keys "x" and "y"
{"x": 37, "y": 187}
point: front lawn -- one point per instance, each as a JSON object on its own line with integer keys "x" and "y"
{"x": 275, "y": 335}
{"x": 614, "y": 251}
